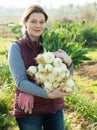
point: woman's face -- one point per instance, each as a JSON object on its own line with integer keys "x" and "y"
{"x": 35, "y": 25}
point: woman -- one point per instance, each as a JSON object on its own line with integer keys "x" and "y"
{"x": 34, "y": 108}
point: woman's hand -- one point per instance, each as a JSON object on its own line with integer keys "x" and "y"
{"x": 58, "y": 93}
{"x": 62, "y": 54}
{"x": 25, "y": 102}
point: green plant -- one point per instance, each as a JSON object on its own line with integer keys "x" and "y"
{"x": 54, "y": 40}
{"x": 83, "y": 105}
{"x": 77, "y": 53}
{"x": 5, "y": 75}
{"x": 89, "y": 33}
{"x": 6, "y": 96}
{"x": 5, "y": 105}
{"x": 17, "y": 30}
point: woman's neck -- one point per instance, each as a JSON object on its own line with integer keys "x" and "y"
{"x": 36, "y": 39}
{"x": 33, "y": 39}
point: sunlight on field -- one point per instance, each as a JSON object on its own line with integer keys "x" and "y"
{"x": 5, "y": 43}
{"x": 3, "y": 59}
{"x": 15, "y": 128}
{"x": 82, "y": 81}
{"x": 4, "y": 46}
{"x": 92, "y": 53}
{"x": 87, "y": 86}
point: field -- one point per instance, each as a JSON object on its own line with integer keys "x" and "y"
{"x": 79, "y": 109}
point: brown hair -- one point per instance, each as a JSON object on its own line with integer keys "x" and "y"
{"x": 33, "y": 9}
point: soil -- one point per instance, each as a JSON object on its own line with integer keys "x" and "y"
{"x": 89, "y": 70}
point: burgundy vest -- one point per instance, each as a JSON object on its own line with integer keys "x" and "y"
{"x": 29, "y": 50}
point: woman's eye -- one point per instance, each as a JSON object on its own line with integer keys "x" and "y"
{"x": 33, "y": 21}
{"x": 42, "y": 22}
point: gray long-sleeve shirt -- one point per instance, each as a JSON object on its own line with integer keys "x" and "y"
{"x": 18, "y": 70}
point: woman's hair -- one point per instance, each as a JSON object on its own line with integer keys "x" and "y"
{"x": 33, "y": 9}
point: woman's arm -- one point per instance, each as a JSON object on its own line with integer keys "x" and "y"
{"x": 18, "y": 70}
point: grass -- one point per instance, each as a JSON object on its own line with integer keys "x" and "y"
{"x": 4, "y": 43}
{"x": 13, "y": 128}
{"x": 92, "y": 53}
{"x": 4, "y": 46}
